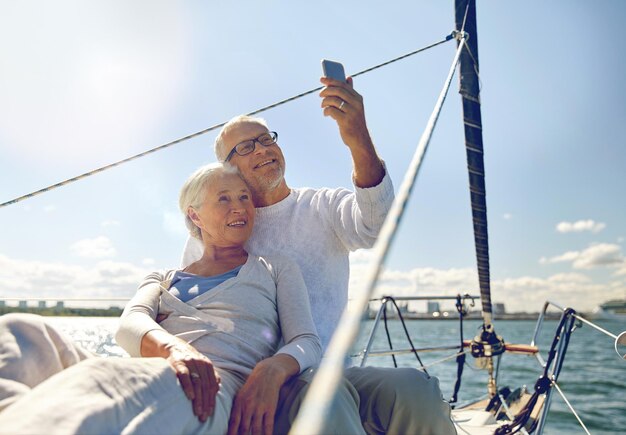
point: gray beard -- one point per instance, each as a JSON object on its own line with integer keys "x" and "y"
{"x": 260, "y": 186}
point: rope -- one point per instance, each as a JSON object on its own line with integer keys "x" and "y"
{"x": 393, "y": 356}
{"x": 546, "y": 380}
{"x": 460, "y": 361}
{"x": 213, "y": 127}
{"x": 322, "y": 390}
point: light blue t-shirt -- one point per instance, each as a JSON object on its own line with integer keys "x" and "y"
{"x": 186, "y": 286}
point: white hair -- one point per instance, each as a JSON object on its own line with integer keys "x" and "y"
{"x": 218, "y": 146}
{"x": 192, "y": 194}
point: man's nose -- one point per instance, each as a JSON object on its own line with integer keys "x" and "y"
{"x": 259, "y": 148}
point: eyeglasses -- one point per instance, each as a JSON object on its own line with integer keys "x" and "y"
{"x": 247, "y": 146}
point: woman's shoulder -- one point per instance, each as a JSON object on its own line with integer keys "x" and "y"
{"x": 158, "y": 276}
{"x": 274, "y": 264}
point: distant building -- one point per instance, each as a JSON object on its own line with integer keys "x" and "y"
{"x": 498, "y": 308}
{"x": 433, "y": 307}
{"x": 60, "y": 305}
{"x": 23, "y": 304}
{"x": 41, "y": 305}
{"x": 3, "y": 304}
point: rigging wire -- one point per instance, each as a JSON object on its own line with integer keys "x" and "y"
{"x": 319, "y": 397}
{"x": 213, "y": 127}
{"x": 441, "y": 360}
{"x": 406, "y": 333}
{"x": 571, "y": 408}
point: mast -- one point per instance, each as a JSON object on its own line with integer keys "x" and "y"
{"x": 465, "y": 18}
{"x": 486, "y": 344}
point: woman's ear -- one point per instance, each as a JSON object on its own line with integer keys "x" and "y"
{"x": 193, "y": 215}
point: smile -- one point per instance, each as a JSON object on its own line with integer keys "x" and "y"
{"x": 265, "y": 163}
{"x": 239, "y": 223}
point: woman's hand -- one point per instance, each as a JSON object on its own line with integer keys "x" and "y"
{"x": 255, "y": 405}
{"x": 194, "y": 371}
{"x": 197, "y": 376}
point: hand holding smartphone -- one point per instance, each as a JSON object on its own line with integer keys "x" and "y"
{"x": 333, "y": 70}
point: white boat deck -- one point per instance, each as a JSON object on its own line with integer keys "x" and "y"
{"x": 474, "y": 422}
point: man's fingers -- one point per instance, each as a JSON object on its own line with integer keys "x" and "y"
{"x": 327, "y": 81}
{"x": 244, "y": 415}
{"x": 334, "y": 102}
{"x": 341, "y": 93}
{"x": 334, "y": 113}
{"x": 235, "y": 418}
{"x": 268, "y": 423}
{"x": 244, "y": 424}
{"x": 256, "y": 425}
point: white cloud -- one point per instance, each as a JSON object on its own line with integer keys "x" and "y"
{"x": 110, "y": 223}
{"x": 49, "y": 208}
{"x": 568, "y": 256}
{"x": 525, "y": 293}
{"x": 528, "y": 293}
{"x": 99, "y": 247}
{"x": 147, "y": 261}
{"x": 601, "y": 254}
{"x": 507, "y": 216}
{"x": 43, "y": 279}
{"x": 580, "y": 226}
{"x": 361, "y": 256}
{"x": 120, "y": 279}
{"x": 621, "y": 271}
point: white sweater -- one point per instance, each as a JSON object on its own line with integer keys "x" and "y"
{"x": 318, "y": 228}
{"x": 236, "y": 324}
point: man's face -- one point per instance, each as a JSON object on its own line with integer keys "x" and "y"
{"x": 264, "y": 168}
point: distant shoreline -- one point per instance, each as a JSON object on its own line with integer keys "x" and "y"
{"x": 65, "y": 312}
{"x": 478, "y": 316}
{"x": 116, "y": 312}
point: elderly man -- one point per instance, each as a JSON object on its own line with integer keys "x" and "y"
{"x": 318, "y": 228}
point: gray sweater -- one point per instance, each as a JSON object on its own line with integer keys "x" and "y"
{"x": 236, "y": 324}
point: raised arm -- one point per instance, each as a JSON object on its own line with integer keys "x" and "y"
{"x": 345, "y": 105}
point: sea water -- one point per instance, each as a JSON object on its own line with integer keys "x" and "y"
{"x": 593, "y": 377}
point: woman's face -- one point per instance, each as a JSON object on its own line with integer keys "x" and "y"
{"x": 226, "y": 216}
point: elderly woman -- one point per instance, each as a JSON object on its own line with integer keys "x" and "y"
{"x": 233, "y": 307}
{"x": 233, "y": 327}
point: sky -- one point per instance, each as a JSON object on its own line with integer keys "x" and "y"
{"x": 84, "y": 84}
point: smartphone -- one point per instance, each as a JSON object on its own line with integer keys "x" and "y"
{"x": 333, "y": 70}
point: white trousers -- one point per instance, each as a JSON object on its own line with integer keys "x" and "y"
{"x": 48, "y": 384}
